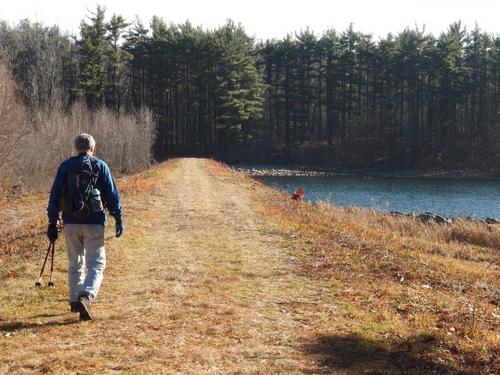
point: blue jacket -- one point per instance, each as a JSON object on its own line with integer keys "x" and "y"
{"x": 106, "y": 185}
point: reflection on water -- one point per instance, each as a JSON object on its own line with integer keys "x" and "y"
{"x": 446, "y": 197}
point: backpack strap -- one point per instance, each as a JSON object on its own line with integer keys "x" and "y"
{"x": 95, "y": 170}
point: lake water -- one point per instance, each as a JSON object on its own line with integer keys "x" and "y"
{"x": 447, "y": 197}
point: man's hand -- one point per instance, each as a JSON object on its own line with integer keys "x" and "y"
{"x": 52, "y": 232}
{"x": 119, "y": 228}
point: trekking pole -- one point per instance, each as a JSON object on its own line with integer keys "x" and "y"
{"x": 38, "y": 284}
{"x": 51, "y": 283}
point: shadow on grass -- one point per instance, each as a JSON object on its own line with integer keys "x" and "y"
{"x": 355, "y": 355}
{"x": 21, "y": 326}
{"x": 38, "y": 316}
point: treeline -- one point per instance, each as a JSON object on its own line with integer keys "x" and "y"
{"x": 405, "y": 97}
{"x": 341, "y": 98}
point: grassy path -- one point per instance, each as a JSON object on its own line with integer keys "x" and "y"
{"x": 199, "y": 284}
{"x": 217, "y": 274}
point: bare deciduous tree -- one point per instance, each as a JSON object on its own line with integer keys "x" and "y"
{"x": 12, "y": 119}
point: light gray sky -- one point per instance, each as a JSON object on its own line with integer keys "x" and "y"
{"x": 271, "y": 18}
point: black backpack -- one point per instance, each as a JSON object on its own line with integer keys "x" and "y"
{"x": 79, "y": 188}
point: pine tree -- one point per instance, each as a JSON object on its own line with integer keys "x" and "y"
{"x": 93, "y": 50}
{"x": 117, "y": 58}
{"x": 239, "y": 87}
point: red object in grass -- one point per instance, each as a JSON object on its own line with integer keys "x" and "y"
{"x": 298, "y": 195}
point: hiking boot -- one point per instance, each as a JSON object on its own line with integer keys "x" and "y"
{"x": 83, "y": 306}
{"x": 74, "y": 307}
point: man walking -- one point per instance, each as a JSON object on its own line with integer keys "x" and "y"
{"x": 83, "y": 186}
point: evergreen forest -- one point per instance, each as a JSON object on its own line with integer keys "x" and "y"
{"x": 340, "y": 98}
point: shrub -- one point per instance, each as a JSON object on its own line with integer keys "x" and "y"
{"x": 30, "y": 151}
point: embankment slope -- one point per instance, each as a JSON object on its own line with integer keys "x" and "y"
{"x": 219, "y": 274}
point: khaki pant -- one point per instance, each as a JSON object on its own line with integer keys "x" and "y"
{"x": 85, "y": 245}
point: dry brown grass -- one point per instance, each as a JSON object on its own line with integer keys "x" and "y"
{"x": 220, "y": 274}
{"x": 23, "y": 219}
{"x": 429, "y": 290}
{"x": 147, "y": 181}
{"x": 191, "y": 288}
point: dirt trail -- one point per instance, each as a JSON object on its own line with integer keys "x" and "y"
{"x": 199, "y": 284}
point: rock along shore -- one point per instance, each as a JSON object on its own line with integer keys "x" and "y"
{"x": 302, "y": 171}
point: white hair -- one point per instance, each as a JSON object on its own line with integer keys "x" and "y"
{"x": 84, "y": 142}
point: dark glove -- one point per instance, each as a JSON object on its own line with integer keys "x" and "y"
{"x": 52, "y": 232}
{"x": 119, "y": 228}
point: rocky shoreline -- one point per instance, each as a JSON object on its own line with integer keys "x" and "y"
{"x": 302, "y": 171}
{"x": 429, "y": 217}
